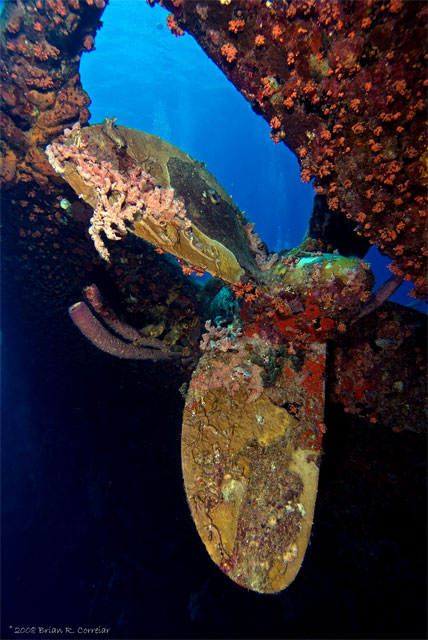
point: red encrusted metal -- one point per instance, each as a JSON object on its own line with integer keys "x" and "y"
{"x": 343, "y": 84}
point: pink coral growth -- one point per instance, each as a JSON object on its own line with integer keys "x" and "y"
{"x": 220, "y": 338}
{"x": 231, "y": 371}
{"x": 229, "y": 363}
{"x": 120, "y": 197}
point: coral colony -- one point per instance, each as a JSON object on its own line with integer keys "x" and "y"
{"x": 343, "y": 85}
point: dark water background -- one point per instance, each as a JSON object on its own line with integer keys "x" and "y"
{"x": 95, "y": 527}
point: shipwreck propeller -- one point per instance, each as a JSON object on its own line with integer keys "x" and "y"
{"x": 254, "y": 413}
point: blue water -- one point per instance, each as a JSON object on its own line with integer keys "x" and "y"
{"x": 167, "y": 86}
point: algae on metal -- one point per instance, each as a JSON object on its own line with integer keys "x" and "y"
{"x": 251, "y": 473}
